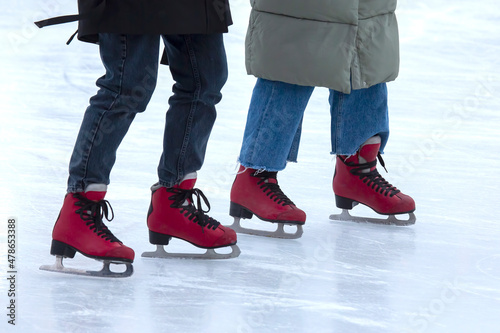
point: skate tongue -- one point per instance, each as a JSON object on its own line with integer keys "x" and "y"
{"x": 188, "y": 182}
{"x": 95, "y": 195}
{"x": 269, "y": 176}
{"x": 369, "y": 151}
{"x": 269, "y": 179}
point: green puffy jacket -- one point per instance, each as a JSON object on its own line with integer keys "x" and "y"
{"x": 324, "y": 43}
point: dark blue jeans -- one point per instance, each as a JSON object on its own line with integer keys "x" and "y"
{"x": 199, "y": 69}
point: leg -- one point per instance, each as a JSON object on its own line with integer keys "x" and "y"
{"x": 199, "y": 68}
{"x": 360, "y": 129}
{"x": 131, "y": 64}
{"x": 272, "y": 131}
{"x": 125, "y": 90}
{"x": 358, "y": 116}
{"x": 272, "y": 136}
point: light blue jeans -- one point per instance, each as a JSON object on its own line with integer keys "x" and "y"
{"x": 274, "y": 122}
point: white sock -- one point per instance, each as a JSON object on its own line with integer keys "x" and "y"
{"x": 96, "y": 188}
{"x": 191, "y": 175}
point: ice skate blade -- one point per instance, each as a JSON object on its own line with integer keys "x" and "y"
{"x": 210, "y": 254}
{"x": 104, "y": 272}
{"x": 278, "y": 233}
{"x": 390, "y": 220}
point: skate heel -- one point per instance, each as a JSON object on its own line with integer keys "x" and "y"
{"x": 158, "y": 239}
{"x": 61, "y": 249}
{"x": 344, "y": 203}
{"x": 236, "y": 210}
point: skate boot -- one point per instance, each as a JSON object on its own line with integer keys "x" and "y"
{"x": 175, "y": 213}
{"x": 258, "y": 193}
{"x": 79, "y": 227}
{"x": 357, "y": 180}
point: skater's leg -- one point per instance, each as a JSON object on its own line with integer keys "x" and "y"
{"x": 126, "y": 88}
{"x": 271, "y": 138}
{"x": 272, "y": 131}
{"x": 358, "y": 116}
{"x": 360, "y": 129}
{"x": 131, "y": 64}
{"x": 199, "y": 68}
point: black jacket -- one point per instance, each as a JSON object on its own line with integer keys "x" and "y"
{"x": 151, "y": 17}
{"x": 135, "y": 17}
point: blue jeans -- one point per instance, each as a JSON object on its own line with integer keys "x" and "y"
{"x": 199, "y": 69}
{"x": 274, "y": 122}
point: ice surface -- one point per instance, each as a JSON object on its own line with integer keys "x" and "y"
{"x": 440, "y": 275}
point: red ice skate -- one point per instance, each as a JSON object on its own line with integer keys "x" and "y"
{"x": 258, "y": 193}
{"x": 174, "y": 213}
{"x": 79, "y": 227}
{"x": 357, "y": 180}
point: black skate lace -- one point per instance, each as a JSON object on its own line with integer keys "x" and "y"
{"x": 272, "y": 190}
{"x": 92, "y": 213}
{"x": 192, "y": 211}
{"x": 373, "y": 177}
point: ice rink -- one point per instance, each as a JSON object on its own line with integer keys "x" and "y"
{"x": 440, "y": 275}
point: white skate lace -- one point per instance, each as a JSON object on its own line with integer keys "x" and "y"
{"x": 192, "y": 211}
{"x": 92, "y": 213}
